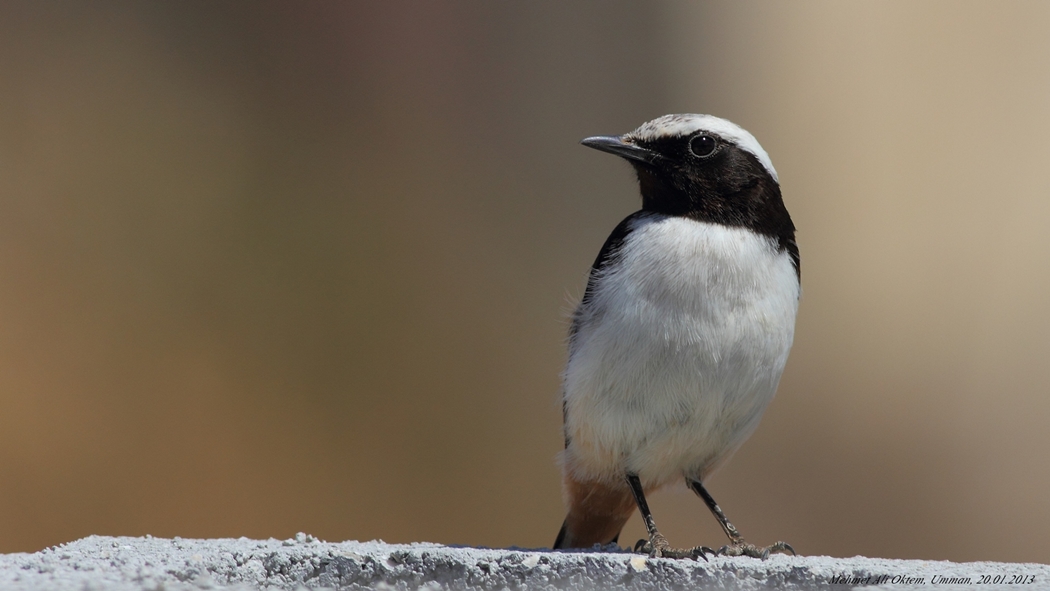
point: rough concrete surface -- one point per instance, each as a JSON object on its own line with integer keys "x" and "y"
{"x": 304, "y": 562}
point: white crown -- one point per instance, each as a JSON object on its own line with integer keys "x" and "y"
{"x": 687, "y": 124}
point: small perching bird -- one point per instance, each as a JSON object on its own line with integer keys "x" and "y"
{"x": 678, "y": 344}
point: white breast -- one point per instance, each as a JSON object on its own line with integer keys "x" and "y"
{"x": 679, "y": 350}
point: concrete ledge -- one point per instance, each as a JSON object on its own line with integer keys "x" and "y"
{"x": 155, "y": 563}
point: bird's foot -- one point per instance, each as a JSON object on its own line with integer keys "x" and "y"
{"x": 657, "y": 547}
{"x": 742, "y": 548}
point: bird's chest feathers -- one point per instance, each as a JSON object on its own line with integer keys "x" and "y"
{"x": 681, "y": 283}
{"x": 680, "y": 346}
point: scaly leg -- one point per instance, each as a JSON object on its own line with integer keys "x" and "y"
{"x": 737, "y": 546}
{"x": 657, "y": 545}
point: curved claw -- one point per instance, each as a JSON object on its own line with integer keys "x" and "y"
{"x": 783, "y": 547}
{"x": 746, "y": 549}
{"x": 666, "y": 551}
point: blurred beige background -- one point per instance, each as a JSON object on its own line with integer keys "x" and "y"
{"x": 274, "y": 267}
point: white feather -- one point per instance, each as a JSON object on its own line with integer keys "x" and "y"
{"x": 678, "y": 352}
{"x": 686, "y": 124}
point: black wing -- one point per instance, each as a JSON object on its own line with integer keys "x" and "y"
{"x": 608, "y": 254}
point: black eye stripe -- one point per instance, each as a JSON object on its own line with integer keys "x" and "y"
{"x": 703, "y": 145}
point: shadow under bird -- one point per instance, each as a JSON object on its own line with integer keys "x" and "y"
{"x": 681, "y": 337}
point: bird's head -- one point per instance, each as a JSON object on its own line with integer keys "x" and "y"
{"x": 702, "y": 167}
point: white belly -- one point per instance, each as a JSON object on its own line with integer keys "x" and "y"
{"x": 678, "y": 352}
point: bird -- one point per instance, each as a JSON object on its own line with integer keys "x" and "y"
{"x": 678, "y": 344}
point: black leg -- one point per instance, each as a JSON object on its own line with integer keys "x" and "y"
{"x": 731, "y": 532}
{"x": 737, "y": 546}
{"x": 657, "y": 545}
{"x": 643, "y": 506}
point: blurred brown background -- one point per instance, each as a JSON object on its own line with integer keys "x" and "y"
{"x": 280, "y": 267}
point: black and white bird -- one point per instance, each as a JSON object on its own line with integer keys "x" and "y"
{"x": 678, "y": 344}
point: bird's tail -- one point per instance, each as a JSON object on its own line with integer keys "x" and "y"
{"x": 597, "y": 513}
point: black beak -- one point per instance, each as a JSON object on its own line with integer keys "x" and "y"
{"x": 623, "y": 148}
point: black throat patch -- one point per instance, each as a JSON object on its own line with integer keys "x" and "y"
{"x": 731, "y": 188}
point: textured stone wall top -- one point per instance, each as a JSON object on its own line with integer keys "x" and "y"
{"x": 154, "y": 563}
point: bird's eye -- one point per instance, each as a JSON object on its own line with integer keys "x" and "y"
{"x": 703, "y": 146}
